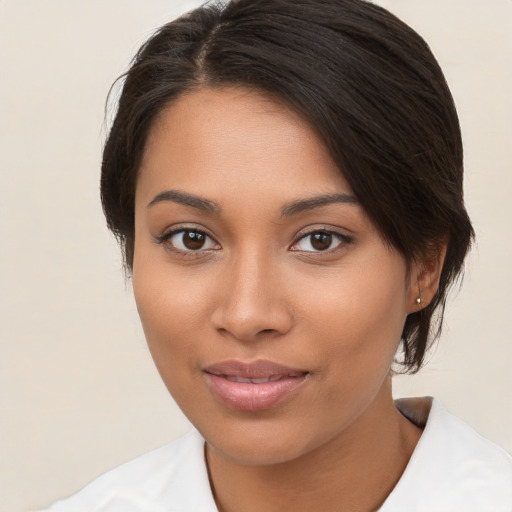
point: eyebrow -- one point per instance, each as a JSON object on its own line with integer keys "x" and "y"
{"x": 293, "y": 208}
{"x": 302, "y": 205}
{"x": 177, "y": 196}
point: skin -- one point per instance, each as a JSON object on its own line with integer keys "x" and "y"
{"x": 258, "y": 289}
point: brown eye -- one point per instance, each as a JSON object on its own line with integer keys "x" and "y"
{"x": 321, "y": 241}
{"x": 193, "y": 240}
{"x": 189, "y": 240}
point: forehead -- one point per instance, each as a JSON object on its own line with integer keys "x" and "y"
{"x": 220, "y": 141}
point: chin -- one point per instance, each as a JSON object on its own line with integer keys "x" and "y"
{"x": 248, "y": 452}
{"x": 263, "y": 442}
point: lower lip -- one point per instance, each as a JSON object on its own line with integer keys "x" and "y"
{"x": 244, "y": 396}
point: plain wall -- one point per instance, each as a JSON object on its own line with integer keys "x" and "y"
{"x": 78, "y": 390}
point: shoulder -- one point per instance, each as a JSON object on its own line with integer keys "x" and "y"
{"x": 453, "y": 468}
{"x": 170, "y": 478}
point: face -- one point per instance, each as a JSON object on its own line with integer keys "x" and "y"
{"x": 271, "y": 305}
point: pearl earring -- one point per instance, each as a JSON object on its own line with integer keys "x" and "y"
{"x": 418, "y": 299}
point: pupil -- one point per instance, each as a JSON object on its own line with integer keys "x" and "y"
{"x": 321, "y": 241}
{"x": 193, "y": 240}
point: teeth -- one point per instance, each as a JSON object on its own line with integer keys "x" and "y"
{"x": 246, "y": 380}
{"x": 237, "y": 379}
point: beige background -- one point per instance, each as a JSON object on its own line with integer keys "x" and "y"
{"x": 78, "y": 390}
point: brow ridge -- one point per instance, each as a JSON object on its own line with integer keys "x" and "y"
{"x": 293, "y": 208}
{"x": 310, "y": 203}
{"x": 187, "y": 199}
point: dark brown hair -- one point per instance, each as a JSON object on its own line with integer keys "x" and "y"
{"x": 366, "y": 81}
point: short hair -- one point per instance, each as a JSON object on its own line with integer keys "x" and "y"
{"x": 367, "y": 83}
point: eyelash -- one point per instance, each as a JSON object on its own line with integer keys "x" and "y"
{"x": 341, "y": 237}
{"x": 164, "y": 239}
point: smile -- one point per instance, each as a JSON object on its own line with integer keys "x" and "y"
{"x": 255, "y": 386}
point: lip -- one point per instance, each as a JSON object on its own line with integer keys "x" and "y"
{"x": 254, "y": 386}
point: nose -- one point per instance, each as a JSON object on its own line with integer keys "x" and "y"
{"x": 251, "y": 300}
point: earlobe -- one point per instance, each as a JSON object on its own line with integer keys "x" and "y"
{"x": 425, "y": 278}
{"x": 419, "y": 300}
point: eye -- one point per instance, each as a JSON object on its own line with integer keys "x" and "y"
{"x": 188, "y": 240}
{"x": 320, "y": 241}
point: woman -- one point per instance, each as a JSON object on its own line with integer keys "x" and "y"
{"x": 285, "y": 180}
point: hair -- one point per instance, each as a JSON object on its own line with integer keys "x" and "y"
{"x": 367, "y": 83}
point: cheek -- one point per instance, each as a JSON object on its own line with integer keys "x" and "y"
{"x": 171, "y": 319}
{"x": 172, "y": 307}
{"x": 359, "y": 324}
{"x": 359, "y": 300}
{"x": 359, "y": 314}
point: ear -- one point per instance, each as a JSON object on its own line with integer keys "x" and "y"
{"x": 425, "y": 276}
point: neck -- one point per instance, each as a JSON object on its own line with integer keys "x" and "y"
{"x": 356, "y": 470}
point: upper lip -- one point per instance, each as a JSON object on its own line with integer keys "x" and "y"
{"x": 260, "y": 369}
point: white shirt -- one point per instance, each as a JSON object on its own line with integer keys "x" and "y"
{"x": 451, "y": 469}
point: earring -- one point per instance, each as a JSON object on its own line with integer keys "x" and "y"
{"x": 418, "y": 299}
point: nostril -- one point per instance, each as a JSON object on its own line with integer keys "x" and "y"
{"x": 262, "y": 321}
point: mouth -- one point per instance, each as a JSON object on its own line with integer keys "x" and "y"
{"x": 253, "y": 386}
